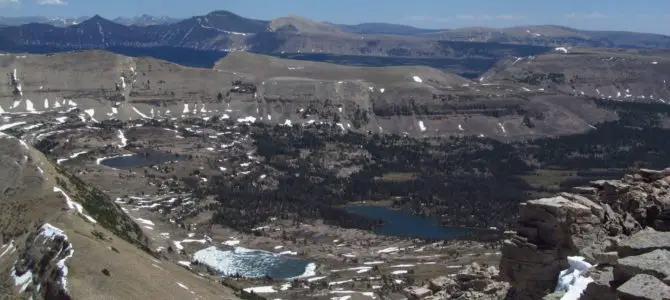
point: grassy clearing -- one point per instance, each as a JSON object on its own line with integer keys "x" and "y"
{"x": 557, "y": 179}
{"x": 548, "y": 179}
{"x": 398, "y": 176}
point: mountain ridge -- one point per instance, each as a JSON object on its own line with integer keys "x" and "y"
{"x": 226, "y": 31}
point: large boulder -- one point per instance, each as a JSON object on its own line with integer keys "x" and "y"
{"x": 655, "y": 263}
{"x": 643, "y": 242}
{"x": 601, "y": 287}
{"x": 643, "y": 287}
{"x": 548, "y": 231}
{"x": 473, "y": 282}
{"x": 619, "y": 225}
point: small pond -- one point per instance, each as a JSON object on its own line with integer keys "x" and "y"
{"x": 139, "y": 160}
{"x": 254, "y": 263}
{"x": 404, "y": 224}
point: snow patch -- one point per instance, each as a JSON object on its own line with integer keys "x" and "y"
{"x": 122, "y": 137}
{"x": 561, "y": 49}
{"x": 261, "y": 289}
{"x": 11, "y": 125}
{"x": 231, "y": 242}
{"x": 140, "y": 113}
{"x": 422, "y": 127}
{"x": 574, "y": 280}
{"x": 502, "y": 127}
{"x": 74, "y": 205}
{"x": 389, "y": 250}
{"x": 29, "y": 106}
{"x": 22, "y": 280}
{"x": 417, "y": 79}
{"x": 145, "y": 221}
{"x": 182, "y": 285}
{"x": 247, "y": 120}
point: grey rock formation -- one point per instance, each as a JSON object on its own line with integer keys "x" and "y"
{"x": 655, "y": 263}
{"x": 601, "y": 288}
{"x": 417, "y": 292}
{"x": 644, "y": 241}
{"x": 643, "y": 287}
{"x": 473, "y": 282}
{"x": 616, "y": 224}
{"x": 549, "y": 230}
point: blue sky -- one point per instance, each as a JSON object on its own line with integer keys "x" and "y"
{"x": 633, "y": 15}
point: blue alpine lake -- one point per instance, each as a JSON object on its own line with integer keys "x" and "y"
{"x": 139, "y": 160}
{"x": 404, "y": 224}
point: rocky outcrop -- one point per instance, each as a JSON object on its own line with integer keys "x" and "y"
{"x": 473, "y": 282}
{"x": 41, "y": 264}
{"x": 643, "y": 286}
{"x": 614, "y": 224}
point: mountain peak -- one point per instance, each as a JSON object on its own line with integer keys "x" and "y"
{"x": 222, "y": 13}
{"x": 302, "y": 24}
{"x": 97, "y": 18}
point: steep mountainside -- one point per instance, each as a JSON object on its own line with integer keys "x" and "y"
{"x": 145, "y": 20}
{"x": 386, "y": 28}
{"x": 62, "y": 239}
{"x": 412, "y": 100}
{"x": 552, "y": 35}
{"x": 617, "y": 75}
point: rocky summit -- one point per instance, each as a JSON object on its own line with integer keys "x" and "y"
{"x": 620, "y": 226}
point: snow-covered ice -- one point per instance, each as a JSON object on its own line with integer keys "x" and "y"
{"x": 251, "y": 263}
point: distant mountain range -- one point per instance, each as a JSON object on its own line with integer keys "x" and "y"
{"x": 226, "y": 31}
{"x": 142, "y": 20}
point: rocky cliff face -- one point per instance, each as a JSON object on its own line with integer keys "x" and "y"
{"x": 418, "y": 101}
{"x": 603, "y": 74}
{"x": 618, "y": 225}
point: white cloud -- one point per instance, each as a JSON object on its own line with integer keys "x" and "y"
{"x": 3, "y": 2}
{"x": 51, "y": 2}
{"x": 591, "y": 15}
